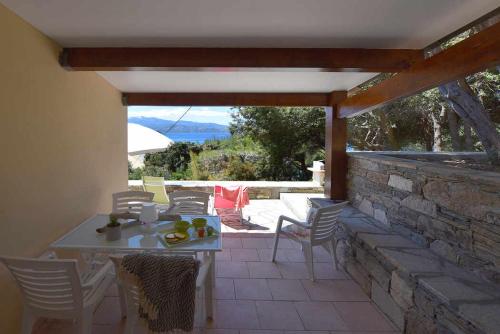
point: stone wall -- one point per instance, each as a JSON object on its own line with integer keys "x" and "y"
{"x": 453, "y": 211}
{"x": 416, "y": 288}
{"x": 256, "y": 189}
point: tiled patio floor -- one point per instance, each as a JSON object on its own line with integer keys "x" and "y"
{"x": 263, "y": 214}
{"x": 256, "y": 296}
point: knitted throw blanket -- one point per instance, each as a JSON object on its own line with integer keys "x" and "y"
{"x": 167, "y": 288}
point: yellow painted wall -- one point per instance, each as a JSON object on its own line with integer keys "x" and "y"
{"x": 62, "y": 149}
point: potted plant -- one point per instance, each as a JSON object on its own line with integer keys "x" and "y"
{"x": 113, "y": 230}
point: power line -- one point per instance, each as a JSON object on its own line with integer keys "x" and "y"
{"x": 177, "y": 121}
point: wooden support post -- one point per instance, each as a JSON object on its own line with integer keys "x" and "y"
{"x": 335, "y": 150}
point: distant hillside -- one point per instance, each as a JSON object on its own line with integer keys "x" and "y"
{"x": 162, "y": 125}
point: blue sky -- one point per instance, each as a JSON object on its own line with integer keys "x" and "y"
{"x": 219, "y": 115}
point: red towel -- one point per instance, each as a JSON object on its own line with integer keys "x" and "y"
{"x": 237, "y": 196}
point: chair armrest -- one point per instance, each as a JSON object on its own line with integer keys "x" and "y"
{"x": 295, "y": 222}
{"x": 98, "y": 277}
{"x": 203, "y": 272}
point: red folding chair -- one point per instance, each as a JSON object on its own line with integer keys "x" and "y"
{"x": 229, "y": 202}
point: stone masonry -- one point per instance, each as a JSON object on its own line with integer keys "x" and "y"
{"x": 423, "y": 240}
{"x": 454, "y": 211}
{"x": 418, "y": 289}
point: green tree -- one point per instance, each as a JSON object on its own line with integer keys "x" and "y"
{"x": 174, "y": 160}
{"x": 290, "y": 138}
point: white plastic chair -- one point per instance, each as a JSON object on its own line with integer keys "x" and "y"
{"x": 319, "y": 230}
{"x": 55, "y": 289}
{"x": 186, "y": 202}
{"x": 129, "y": 293}
{"x": 130, "y": 201}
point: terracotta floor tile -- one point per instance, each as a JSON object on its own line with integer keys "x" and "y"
{"x": 231, "y": 243}
{"x": 293, "y": 270}
{"x": 265, "y": 255}
{"x": 328, "y": 271}
{"x": 108, "y": 312}
{"x": 362, "y": 316}
{"x": 255, "y": 242}
{"x": 278, "y": 315}
{"x": 228, "y": 269}
{"x": 244, "y": 254}
{"x": 225, "y": 255}
{"x": 263, "y": 270}
{"x": 294, "y": 255}
{"x": 224, "y": 288}
{"x": 283, "y": 243}
{"x": 334, "y": 290}
{"x": 320, "y": 316}
{"x": 287, "y": 289}
{"x": 260, "y": 331}
{"x": 254, "y": 288}
{"x": 237, "y": 314}
{"x": 321, "y": 254}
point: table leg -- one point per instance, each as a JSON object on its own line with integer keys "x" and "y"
{"x": 209, "y": 286}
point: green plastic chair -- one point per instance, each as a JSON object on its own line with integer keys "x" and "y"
{"x": 156, "y": 185}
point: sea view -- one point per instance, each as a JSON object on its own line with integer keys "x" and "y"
{"x": 196, "y": 137}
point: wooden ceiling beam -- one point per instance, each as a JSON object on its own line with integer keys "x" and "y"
{"x": 234, "y": 59}
{"x": 476, "y": 53}
{"x": 228, "y": 99}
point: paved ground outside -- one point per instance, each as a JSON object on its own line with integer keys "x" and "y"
{"x": 257, "y": 296}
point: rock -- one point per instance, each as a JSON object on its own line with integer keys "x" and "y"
{"x": 451, "y": 290}
{"x": 388, "y": 306}
{"x": 419, "y": 204}
{"x": 484, "y": 316}
{"x": 417, "y": 324}
{"x": 444, "y": 249}
{"x": 367, "y": 207}
{"x": 360, "y": 275}
{"x": 380, "y": 216}
{"x": 400, "y": 183}
{"x": 493, "y": 217}
{"x": 376, "y": 177}
{"x": 463, "y": 198}
{"x": 369, "y": 165}
{"x": 376, "y": 241}
{"x": 401, "y": 290}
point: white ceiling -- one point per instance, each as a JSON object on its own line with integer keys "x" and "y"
{"x": 250, "y": 23}
{"x": 286, "y": 82}
{"x": 246, "y": 23}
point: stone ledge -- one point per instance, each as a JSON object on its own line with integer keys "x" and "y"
{"x": 457, "y": 299}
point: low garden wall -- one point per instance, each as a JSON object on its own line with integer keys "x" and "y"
{"x": 453, "y": 211}
{"x": 256, "y": 189}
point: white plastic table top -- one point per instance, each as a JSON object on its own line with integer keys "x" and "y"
{"x": 85, "y": 237}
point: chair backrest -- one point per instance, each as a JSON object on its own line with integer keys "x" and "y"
{"x": 189, "y": 202}
{"x": 50, "y": 288}
{"x": 156, "y": 185}
{"x": 325, "y": 222}
{"x": 131, "y": 290}
{"x": 130, "y": 201}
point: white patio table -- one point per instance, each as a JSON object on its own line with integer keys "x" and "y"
{"x": 84, "y": 238}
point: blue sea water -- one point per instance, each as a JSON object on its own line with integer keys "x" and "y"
{"x": 197, "y": 137}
